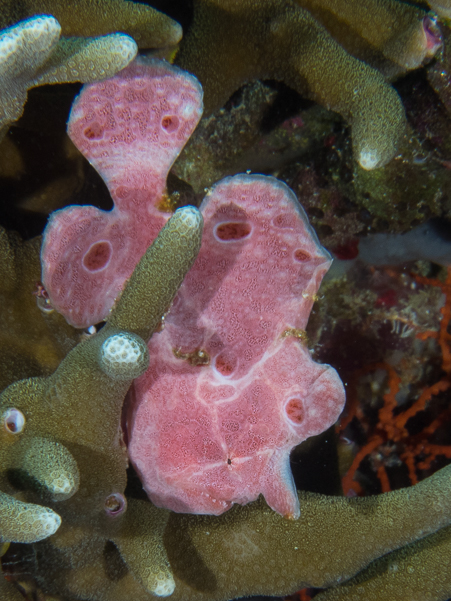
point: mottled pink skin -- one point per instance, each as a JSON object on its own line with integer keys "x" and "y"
{"x": 203, "y": 437}
{"x": 131, "y": 128}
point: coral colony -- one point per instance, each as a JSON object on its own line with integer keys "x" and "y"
{"x": 85, "y": 467}
{"x": 201, "y": 375}
{"x": 305, "y": 44}
{"x": 34, "y": 55}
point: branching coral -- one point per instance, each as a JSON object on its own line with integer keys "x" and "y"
{"x": 113, "y": 546}
{"x": 84, "y": 470}
{"x": 219, "y": 558}
{"x": 25, "y": 522}
{"x": 442, "y": 7}
{"x": 420, "y": 570}
{"x": 91, "y": 18}
{"x": 304, "y": 555}
{"x": 230, "y": 43}
{"x": 32, "y": 54}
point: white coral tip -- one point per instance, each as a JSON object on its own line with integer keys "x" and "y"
{"x": 124, "y": 356}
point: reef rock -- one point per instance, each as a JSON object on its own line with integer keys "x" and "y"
{"x": 231, "y": 387}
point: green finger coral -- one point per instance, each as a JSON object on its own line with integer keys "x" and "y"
{"x": 25, "y": 522}
{"x": 140, "y": 543}
{"x": 247, "y": 551}
{"x": 418, "y": 571}
{"x": 441, "y": 7}
{"x": 157, "y": 279}
{"x": 44, "y": 448}
{"x": 91, "y": 18}
{"x": 328, "y": 543}
{"x": 386, "y": 34}
{"x": 32, "y": 54}
{"x": 315, "y": 47}
{"x": 53, "y": 469}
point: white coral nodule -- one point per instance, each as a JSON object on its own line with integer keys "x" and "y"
{"x": 124, "y": 356}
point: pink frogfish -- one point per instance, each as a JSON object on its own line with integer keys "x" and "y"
{"x": 131, "y": 128}
{"x": 231, "y": 386}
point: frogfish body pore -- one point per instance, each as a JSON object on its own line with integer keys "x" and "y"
{"x": 231, "y": 387}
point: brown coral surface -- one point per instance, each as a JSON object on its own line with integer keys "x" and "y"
{"x": 90, "y": 18}
{"x": 315, "y": 47}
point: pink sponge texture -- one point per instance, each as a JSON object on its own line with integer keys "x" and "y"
{"x": 131, "y": 128}
{"x": 231, "y": 388}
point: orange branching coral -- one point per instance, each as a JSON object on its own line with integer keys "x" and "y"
{"x": 392, "y": 439}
